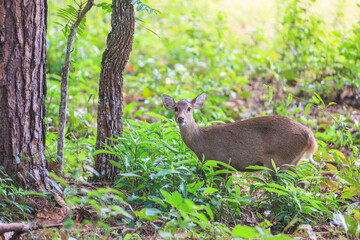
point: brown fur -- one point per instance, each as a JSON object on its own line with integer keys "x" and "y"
{"x": 255, "y": 141}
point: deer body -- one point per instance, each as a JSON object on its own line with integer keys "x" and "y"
{"x": 255, "y": 141}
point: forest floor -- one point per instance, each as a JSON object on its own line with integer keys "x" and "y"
{"x": 249, "y": 214}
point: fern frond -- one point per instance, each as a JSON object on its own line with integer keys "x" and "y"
{"x": 68, "y": 16}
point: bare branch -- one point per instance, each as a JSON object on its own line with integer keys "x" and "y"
{"x": 23, "y": 227}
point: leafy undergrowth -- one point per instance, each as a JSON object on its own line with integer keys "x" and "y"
{"x": 164, "y": 192}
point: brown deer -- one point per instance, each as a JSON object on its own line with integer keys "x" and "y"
{"x": 245, "y": 143}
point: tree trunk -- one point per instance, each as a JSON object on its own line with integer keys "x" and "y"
{"x": 65, "y": 85}
{"x": 110, "y": 109}
{"x": 22, "y": 91}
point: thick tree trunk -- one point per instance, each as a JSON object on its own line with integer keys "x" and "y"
{"x": 23, "y": 90}
{"x": 110, "y": 109}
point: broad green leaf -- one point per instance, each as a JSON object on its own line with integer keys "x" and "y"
{"x": 281, "y": 192}
{"x": 102, "y": 151}
{"x": 121, "y": 211}
{"x": 351, "y": 181}
{"x": 185, "y": 162}
{"x": 214, "y": 163}
{"x": 143, "y": 215}
{"x": 320, "y": 99}
{"x": 273, "y": 165}
{"x": 353, "y": 226}
{"x": 168, "y": 146}
{"x": 270, "y": 93}
{"x": 152, "y": 211}
{"x": 209, "y": 212}
{"x": 307, "y": 108}
{"x": 116, "y": 164}
{"x": 119, "y": 193}
{"x": 210, "y": 190}
{"x": 350, "y": 193}
{"x": 157, "y": 200}
{"x": 167, "y": 196}
{"x": 204, "y": 219}
{"x": 245, "y": 232}
{"x": 165, "y": 172}
{"x": 193, "y": 187}
{"x": 147, "y": 92}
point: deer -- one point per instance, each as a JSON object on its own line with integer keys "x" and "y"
{"x": 253, "y": 142}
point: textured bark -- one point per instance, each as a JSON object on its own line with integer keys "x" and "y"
{"x": 23, "y": 90}
{"x": 110, "y": 109}
{"x": 65, "y": 84}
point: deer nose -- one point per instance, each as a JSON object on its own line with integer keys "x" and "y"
{"x": 180, "y": 119}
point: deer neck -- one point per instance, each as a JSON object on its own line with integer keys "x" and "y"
{"x": 191, "y": 134}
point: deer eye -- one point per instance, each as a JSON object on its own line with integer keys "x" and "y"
{"x": 176, "y": 109}
{"x": 189, "y": 109}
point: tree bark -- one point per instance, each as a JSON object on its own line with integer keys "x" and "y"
{"x": 23, "y": 91}
{"x": 110, "y": 109}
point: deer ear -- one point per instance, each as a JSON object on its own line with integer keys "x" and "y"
{"x": 168, "y": 101}
{"x": 198, "y": 102}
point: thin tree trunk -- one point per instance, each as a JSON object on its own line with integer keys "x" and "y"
{"x": 65, "y": 83}
{"x": 110, "y": 109}
{"x": 23, "y": 91}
